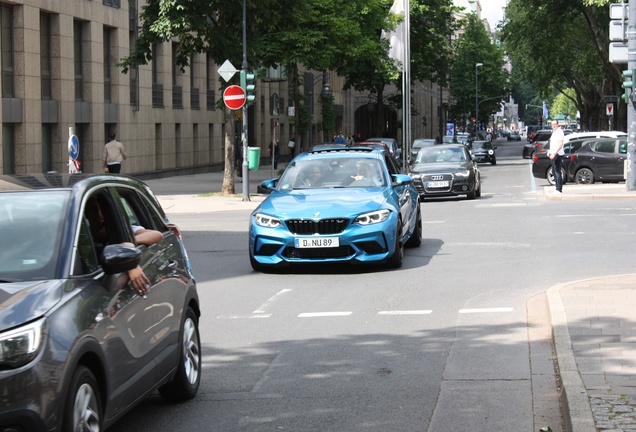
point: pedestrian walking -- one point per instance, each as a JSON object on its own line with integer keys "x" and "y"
{"x": 274, "y": 145}
{"x": 555, "y": 153}
{"x": 114, "y": 155}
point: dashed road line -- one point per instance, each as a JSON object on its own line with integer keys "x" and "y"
{"x": 261, "y": 308}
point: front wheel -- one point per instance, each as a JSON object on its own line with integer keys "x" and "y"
{"x": 584, "y": 176}
{"x": 185, "y": 383}
{"x": 550, "y": 176}
{"x": 398, "y": 254}
{"x": 416, "y": 238}
{"x": 83, "y": 409}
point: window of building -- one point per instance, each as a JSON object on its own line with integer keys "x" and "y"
{"x": 177, "y": 90}
{"x": 8, "y": 54}
{"x": 8, "y": 148}
{"x": 78, "y": 59}
{"x": 194, "y": 90}
{"x": 209, "y": 82}
{"x": 45, "y": 56}
{"x": 47, "y": 147}
{"x": 108, "y": 64}
{"x": 157, "y": 87}
{"x": 113, "y": 3}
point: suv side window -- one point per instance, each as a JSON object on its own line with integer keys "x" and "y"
{"x": 605, "y": 146}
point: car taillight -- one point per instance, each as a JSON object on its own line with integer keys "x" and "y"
{"x": 572, "y": 157}
{"x": 535, "y": 158}
{"x": 175, "y": 230}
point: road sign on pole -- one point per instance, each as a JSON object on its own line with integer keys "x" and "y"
{"x": 227, "y": 70}
{"x": 234, "y": 97}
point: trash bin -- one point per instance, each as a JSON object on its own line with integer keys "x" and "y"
{"x": 253, "y": 158}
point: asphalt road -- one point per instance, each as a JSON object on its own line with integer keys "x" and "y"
{"x": 456, "y": 340}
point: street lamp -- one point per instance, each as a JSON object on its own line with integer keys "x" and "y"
{"x": 477, "y": 66}
{"x": 325, "y": 93}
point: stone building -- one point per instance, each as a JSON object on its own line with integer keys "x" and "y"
{"x": 60, "y": 75}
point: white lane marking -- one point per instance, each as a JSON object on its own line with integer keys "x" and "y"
{"x": 406, "y": 312}
{"x": 323, "y": 314}
{"x": 486, "y": 310}
{"x": 261, "y": 308}
{"x": 243, "y": 316}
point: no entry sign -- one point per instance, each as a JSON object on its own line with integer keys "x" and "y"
{"x": 234, "y": 97}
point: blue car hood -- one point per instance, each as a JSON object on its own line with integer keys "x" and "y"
{"x": 305, "y": 203}
{"x": 21, "y": 302}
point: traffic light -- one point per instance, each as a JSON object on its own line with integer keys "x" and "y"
{"x": 247, "y": 83}
{"x": 629, "y": 77}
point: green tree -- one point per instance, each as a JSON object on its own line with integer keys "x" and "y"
{"x": 473, "y": 85}
{"x": 561, "y": 44}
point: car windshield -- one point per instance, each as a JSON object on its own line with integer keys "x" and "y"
{"x": 32, "y": 223}
{"x": 335, "y": 172}
{"x": 423, "y": 143}
{"x": 440, "y": 155}
{"x": 477, "y": 145}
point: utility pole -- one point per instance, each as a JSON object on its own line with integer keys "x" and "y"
{"x": 244, "y": 168}
{"x": 630, "y": 180}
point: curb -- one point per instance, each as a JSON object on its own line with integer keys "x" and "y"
{"x": 577, "y": 411}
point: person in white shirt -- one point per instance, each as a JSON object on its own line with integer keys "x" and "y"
{"x": 114, "y": 155}
{"x": 555, "y": 153}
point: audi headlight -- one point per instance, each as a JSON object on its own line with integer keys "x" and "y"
{"x": 266, "y": 221}
{"x": 373, "y": 217}
{"x": 462, "y": 173}
{"x": 19, "y": 346}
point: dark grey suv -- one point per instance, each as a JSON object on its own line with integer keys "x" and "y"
{"x": 78, "y": 346}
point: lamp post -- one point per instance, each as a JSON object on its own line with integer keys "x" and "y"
{"x": 325, "y": 93}
{"x": 477, "y": 66}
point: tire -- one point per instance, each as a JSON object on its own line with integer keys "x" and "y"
{"x": 493, "y": 161}
{"x": 187, "y": 379}
{"x": 550, "y": 178}
{"x": 584, "y": 176}
{"x": 396, "y": 260}
{"x": 416, "y": 238}
{"x": 478, "y": 191}
{"x": 83, "y": 410}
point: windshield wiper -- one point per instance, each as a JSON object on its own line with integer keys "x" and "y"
{"x": 7, "y": 280}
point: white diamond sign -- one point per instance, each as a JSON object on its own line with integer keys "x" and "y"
{"x": 227, "y": 70}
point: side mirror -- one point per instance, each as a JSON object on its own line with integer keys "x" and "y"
{"x": 267, "y": 186}
{"x": 401, "y": 179}
{"x": 120, "y": 258}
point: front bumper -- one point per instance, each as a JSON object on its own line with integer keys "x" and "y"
{"x": 429, "y": 185}
{"x": 357, "y": 243}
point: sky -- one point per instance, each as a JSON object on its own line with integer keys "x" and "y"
{"x": 492, "y": 10}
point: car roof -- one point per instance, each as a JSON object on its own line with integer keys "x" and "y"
{"x": 600, "y": 134}
{"x": 367, "y": 152}
{"x": 62, "y": 181}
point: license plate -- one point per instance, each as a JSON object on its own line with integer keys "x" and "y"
{"x": 318, "y": 242}
{"x": 437, "y": 184}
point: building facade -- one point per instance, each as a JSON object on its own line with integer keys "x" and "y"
{"x": 60, "y": 76}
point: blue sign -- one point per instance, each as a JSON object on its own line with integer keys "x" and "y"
{"x": 73, "y": 146}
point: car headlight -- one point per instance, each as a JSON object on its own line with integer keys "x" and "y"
{"x": 491, "y": 152}
{"x": 19, "y": 346}
{"x": 373, "y": 217}
{"x": 267, "y": 221}
{"x": 415, "y": 176}
{"x": 462, "y": 173}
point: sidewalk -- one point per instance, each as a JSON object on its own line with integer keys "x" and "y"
{"x": 594, "y": 332}
{"x": 593, "y": 321}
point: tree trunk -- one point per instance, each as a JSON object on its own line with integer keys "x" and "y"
{"x": 229, "y": 169}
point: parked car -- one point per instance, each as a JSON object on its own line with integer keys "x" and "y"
{"x": 327, "y": 145}
{"x": 542, "y": 165}
{"x": 391, "y": 143}
{"x": 349, "y": 205}
{"x": 514, "y": 136}
{"x": 463, "y": 138}
{"x": 483, "y": 151}
{"x": 539, "y": 140}
{"x": 446, "y": 170}
{"x": 78, "y": 346}
{"x": 419, "y": 143}
{"x": 599, "y": 160}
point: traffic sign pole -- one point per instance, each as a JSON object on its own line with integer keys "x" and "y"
{"x": 630, "y": 181}
{"x": 245, "y": 170}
